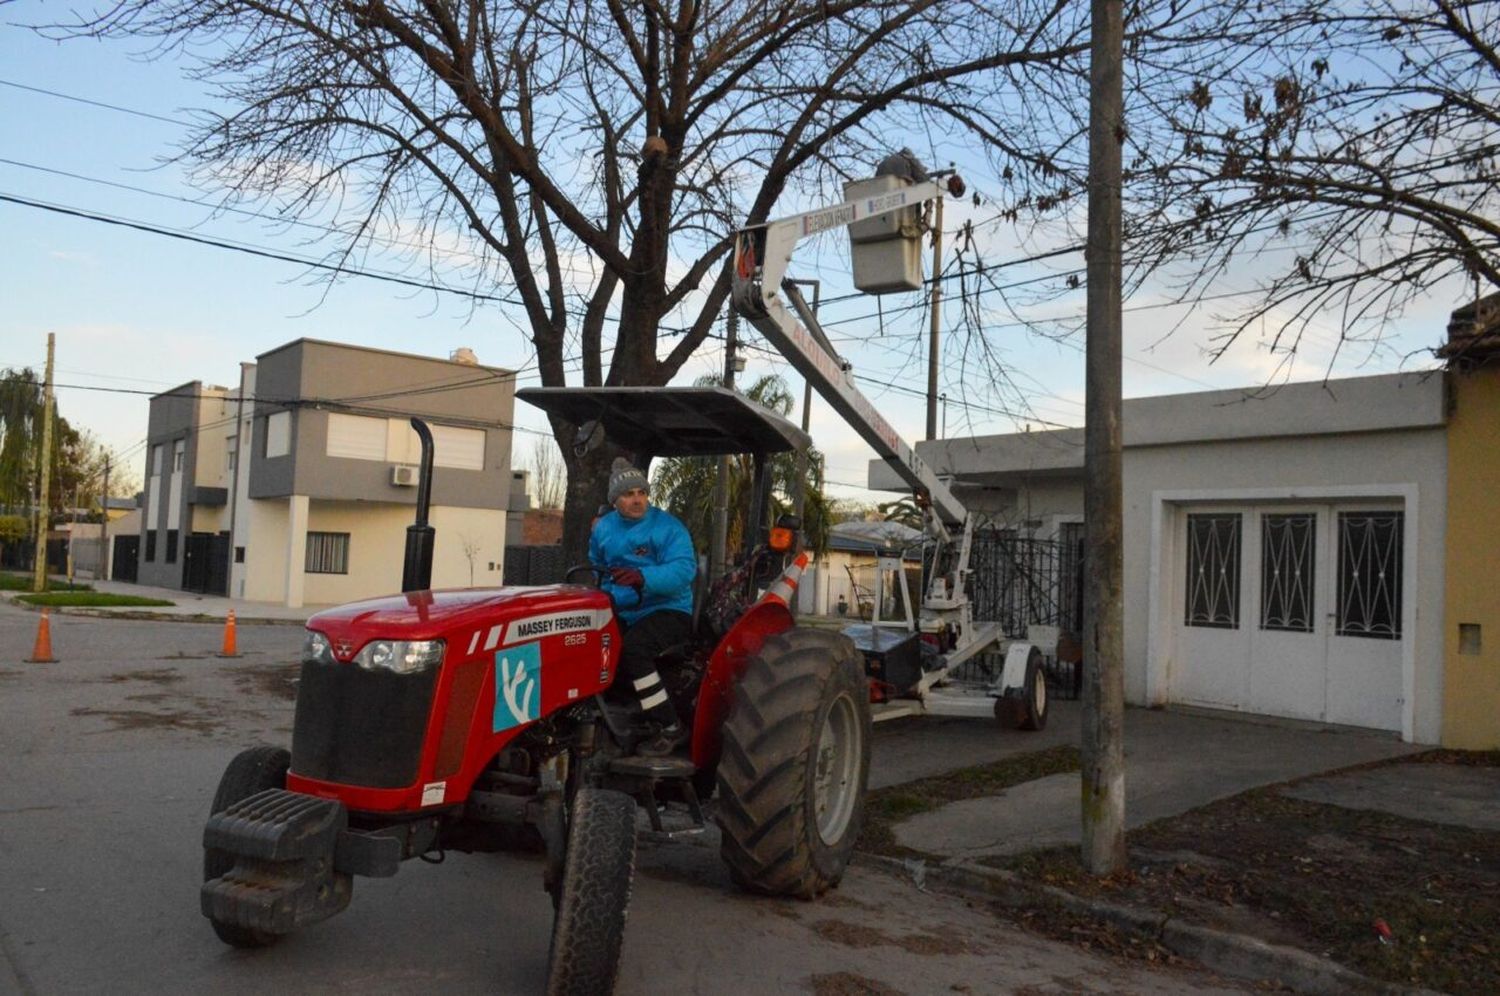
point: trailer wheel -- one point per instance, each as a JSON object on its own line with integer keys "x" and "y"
{"x": 1028, "y": 709}
{"x": 252, "y": 770}
{"x": 590, "y": 920}
{"x": 795, "y": 761}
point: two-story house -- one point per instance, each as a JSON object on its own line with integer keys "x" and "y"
{"x": 297, "y": 485}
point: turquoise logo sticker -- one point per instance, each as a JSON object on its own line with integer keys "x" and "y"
{"x": 518, "y": 685}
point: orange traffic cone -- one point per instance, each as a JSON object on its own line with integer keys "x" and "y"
{"x": 230, "y": 648}
{"x": 41, "y": 653}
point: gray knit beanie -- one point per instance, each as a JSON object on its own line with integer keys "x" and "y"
{"x": 622, "y": 477}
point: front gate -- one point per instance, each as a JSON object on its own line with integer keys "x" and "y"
{"x": 205, "y": 564}
{"x": 1021, "y": 582}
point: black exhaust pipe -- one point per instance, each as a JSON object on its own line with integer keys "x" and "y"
{"x": 416, "y": 569}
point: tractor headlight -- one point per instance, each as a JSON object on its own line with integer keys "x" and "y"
{"x": 316, "y": 649}
{"x": 400, "y": 656}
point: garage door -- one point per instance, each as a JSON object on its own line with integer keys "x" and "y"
{"x": 1291, "y": 610}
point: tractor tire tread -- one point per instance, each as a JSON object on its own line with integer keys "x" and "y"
{"x": 765, "y": 764}
{"x": 590, "y": 920}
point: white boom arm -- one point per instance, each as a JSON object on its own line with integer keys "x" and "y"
{"x": 757, "y": 285}
{"x": 761, "y": 256}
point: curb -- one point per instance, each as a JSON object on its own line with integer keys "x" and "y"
{"x": 150, "y": 615}
{"x": 1234, "y": 955}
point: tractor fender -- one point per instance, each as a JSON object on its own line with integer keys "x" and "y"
{"x": 1013, "y": 673}
{"x": 763, "y": 619}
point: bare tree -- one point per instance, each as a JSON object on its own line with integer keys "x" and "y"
{"x": 588, "y": 157}
{"x": 472, "y": 548}
{"x": 1352, "y": 163}
{"x": 551, "y": 480}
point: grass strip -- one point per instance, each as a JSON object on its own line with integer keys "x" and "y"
{"x": 99, "y": 599}
{"x": 886, "y": 807}
{"x": 22, "y": 582}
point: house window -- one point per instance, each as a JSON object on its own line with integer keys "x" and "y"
{"x": 179, "y": 453}
{"x": 151, "y": 545}
{"x": 1287, "y": 545}
{"x": 231, "y": 453}
{"x": 171, "y": 546}
{"x": 356, "y": 437}
{"x": 328, "y": 553}
{"x": 239, "y": 555}
{"x": 279, "y": 434}
{"x": 1370, "y": 555}
{"x": 1213, "y": 571}
{"x": 156, "y": 459}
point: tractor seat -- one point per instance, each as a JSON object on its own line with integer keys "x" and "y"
{"x": 680, "y": 652}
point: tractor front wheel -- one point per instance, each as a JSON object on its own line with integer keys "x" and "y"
{"x": 252, "y": 770}
{"x": 795, "y": 762}
{"x": 589, "y": 924}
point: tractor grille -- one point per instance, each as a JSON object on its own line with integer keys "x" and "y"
{"x": 358, "y": 727}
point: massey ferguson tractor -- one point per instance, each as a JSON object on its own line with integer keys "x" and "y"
{"x": 456, "y": 720}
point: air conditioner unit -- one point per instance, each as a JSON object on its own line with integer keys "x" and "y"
{"x": 404, "y": 476}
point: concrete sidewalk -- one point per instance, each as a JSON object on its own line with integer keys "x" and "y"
{"x": 186, "y": 605}
{"x": 1175, "y": 761}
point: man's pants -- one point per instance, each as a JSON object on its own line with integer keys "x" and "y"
{"x": 646, "y": 638}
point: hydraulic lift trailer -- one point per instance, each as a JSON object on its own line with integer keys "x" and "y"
{"x": 762, "y": 254}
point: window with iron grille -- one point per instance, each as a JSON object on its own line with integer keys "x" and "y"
{"x": 151, "y": 545}
{"x": 1213, "y": 571}
{"x": 1370, "y": 563}
{"x": 171, "y": 546}
{"x": 327, "y": 553}
{"x": 1287, "y": 552}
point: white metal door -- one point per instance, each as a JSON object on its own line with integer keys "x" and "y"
{"x": 1211, "y": 663}
{"x": 1288, "y": 642}
{"x": 1364, "y": 618}
{"x": 1290, "y": 610}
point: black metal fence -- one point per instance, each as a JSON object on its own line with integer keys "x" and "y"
{"x": 1020, "y": 582}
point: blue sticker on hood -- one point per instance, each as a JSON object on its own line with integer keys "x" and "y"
{"x": 518, "y": 685}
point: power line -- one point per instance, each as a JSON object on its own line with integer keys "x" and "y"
{"x": 94, "y": 103}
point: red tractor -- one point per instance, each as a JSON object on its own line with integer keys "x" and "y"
{"x": 457, "y": 719}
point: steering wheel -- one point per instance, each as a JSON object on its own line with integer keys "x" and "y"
{"x": 597, "y": 574}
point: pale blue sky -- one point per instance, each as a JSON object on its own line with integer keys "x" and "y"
{"x": 138, "y": 311}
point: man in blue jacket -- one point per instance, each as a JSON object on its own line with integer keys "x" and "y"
{"x": 651, "y": 565}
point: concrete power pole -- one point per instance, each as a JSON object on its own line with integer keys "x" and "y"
{"x": 44, "y": 483}
{"x": 720, "y": 539}
{"x": 1103, "y": 644}
{"x": 937, "y": 308}
{"x": 104, "y": 570}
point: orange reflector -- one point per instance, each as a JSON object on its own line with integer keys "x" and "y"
{"x": 781, "y": 539}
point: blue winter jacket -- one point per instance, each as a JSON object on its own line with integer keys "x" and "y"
{"x": 660, "y": 547}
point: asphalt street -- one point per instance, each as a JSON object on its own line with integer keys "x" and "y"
{"x": 112, "y": 756}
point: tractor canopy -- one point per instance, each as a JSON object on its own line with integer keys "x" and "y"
{"x": 670, "y": 421}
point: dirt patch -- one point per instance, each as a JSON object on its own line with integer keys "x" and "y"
{"x": 154, "y": 698}
{"x": 9, "y": 672}
{"x": 849, "y": 984}
{"x": 1399, "y": 900}
{"x": 842, "y": 902}
{"x": 156, "y": 676}
{"x": 853, "y": 935}
{"x": 850, "y": 935}
{"x": 279, "y": 681}
{"x": 886, "y": 807}
{"x": 139, "y": 719}
{"x": 932, "y": 944}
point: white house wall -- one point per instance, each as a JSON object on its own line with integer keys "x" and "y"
{"x": 1158, "y": 480}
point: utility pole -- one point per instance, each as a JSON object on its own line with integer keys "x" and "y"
{"x": 44, "y": 484}
{"x": 720, "y": 538}
{"x": 104, "y": 520}
{"x": 1103, "y": 794}
{"x": 937, "y": 305}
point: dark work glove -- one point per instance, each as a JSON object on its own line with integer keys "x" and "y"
{"x": 628, "y": 577}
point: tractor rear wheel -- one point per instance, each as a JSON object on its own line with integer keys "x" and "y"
{"x": 252, "y": 770}
{"x": 795, "y": 761}
{"x": 590, "y": 920}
